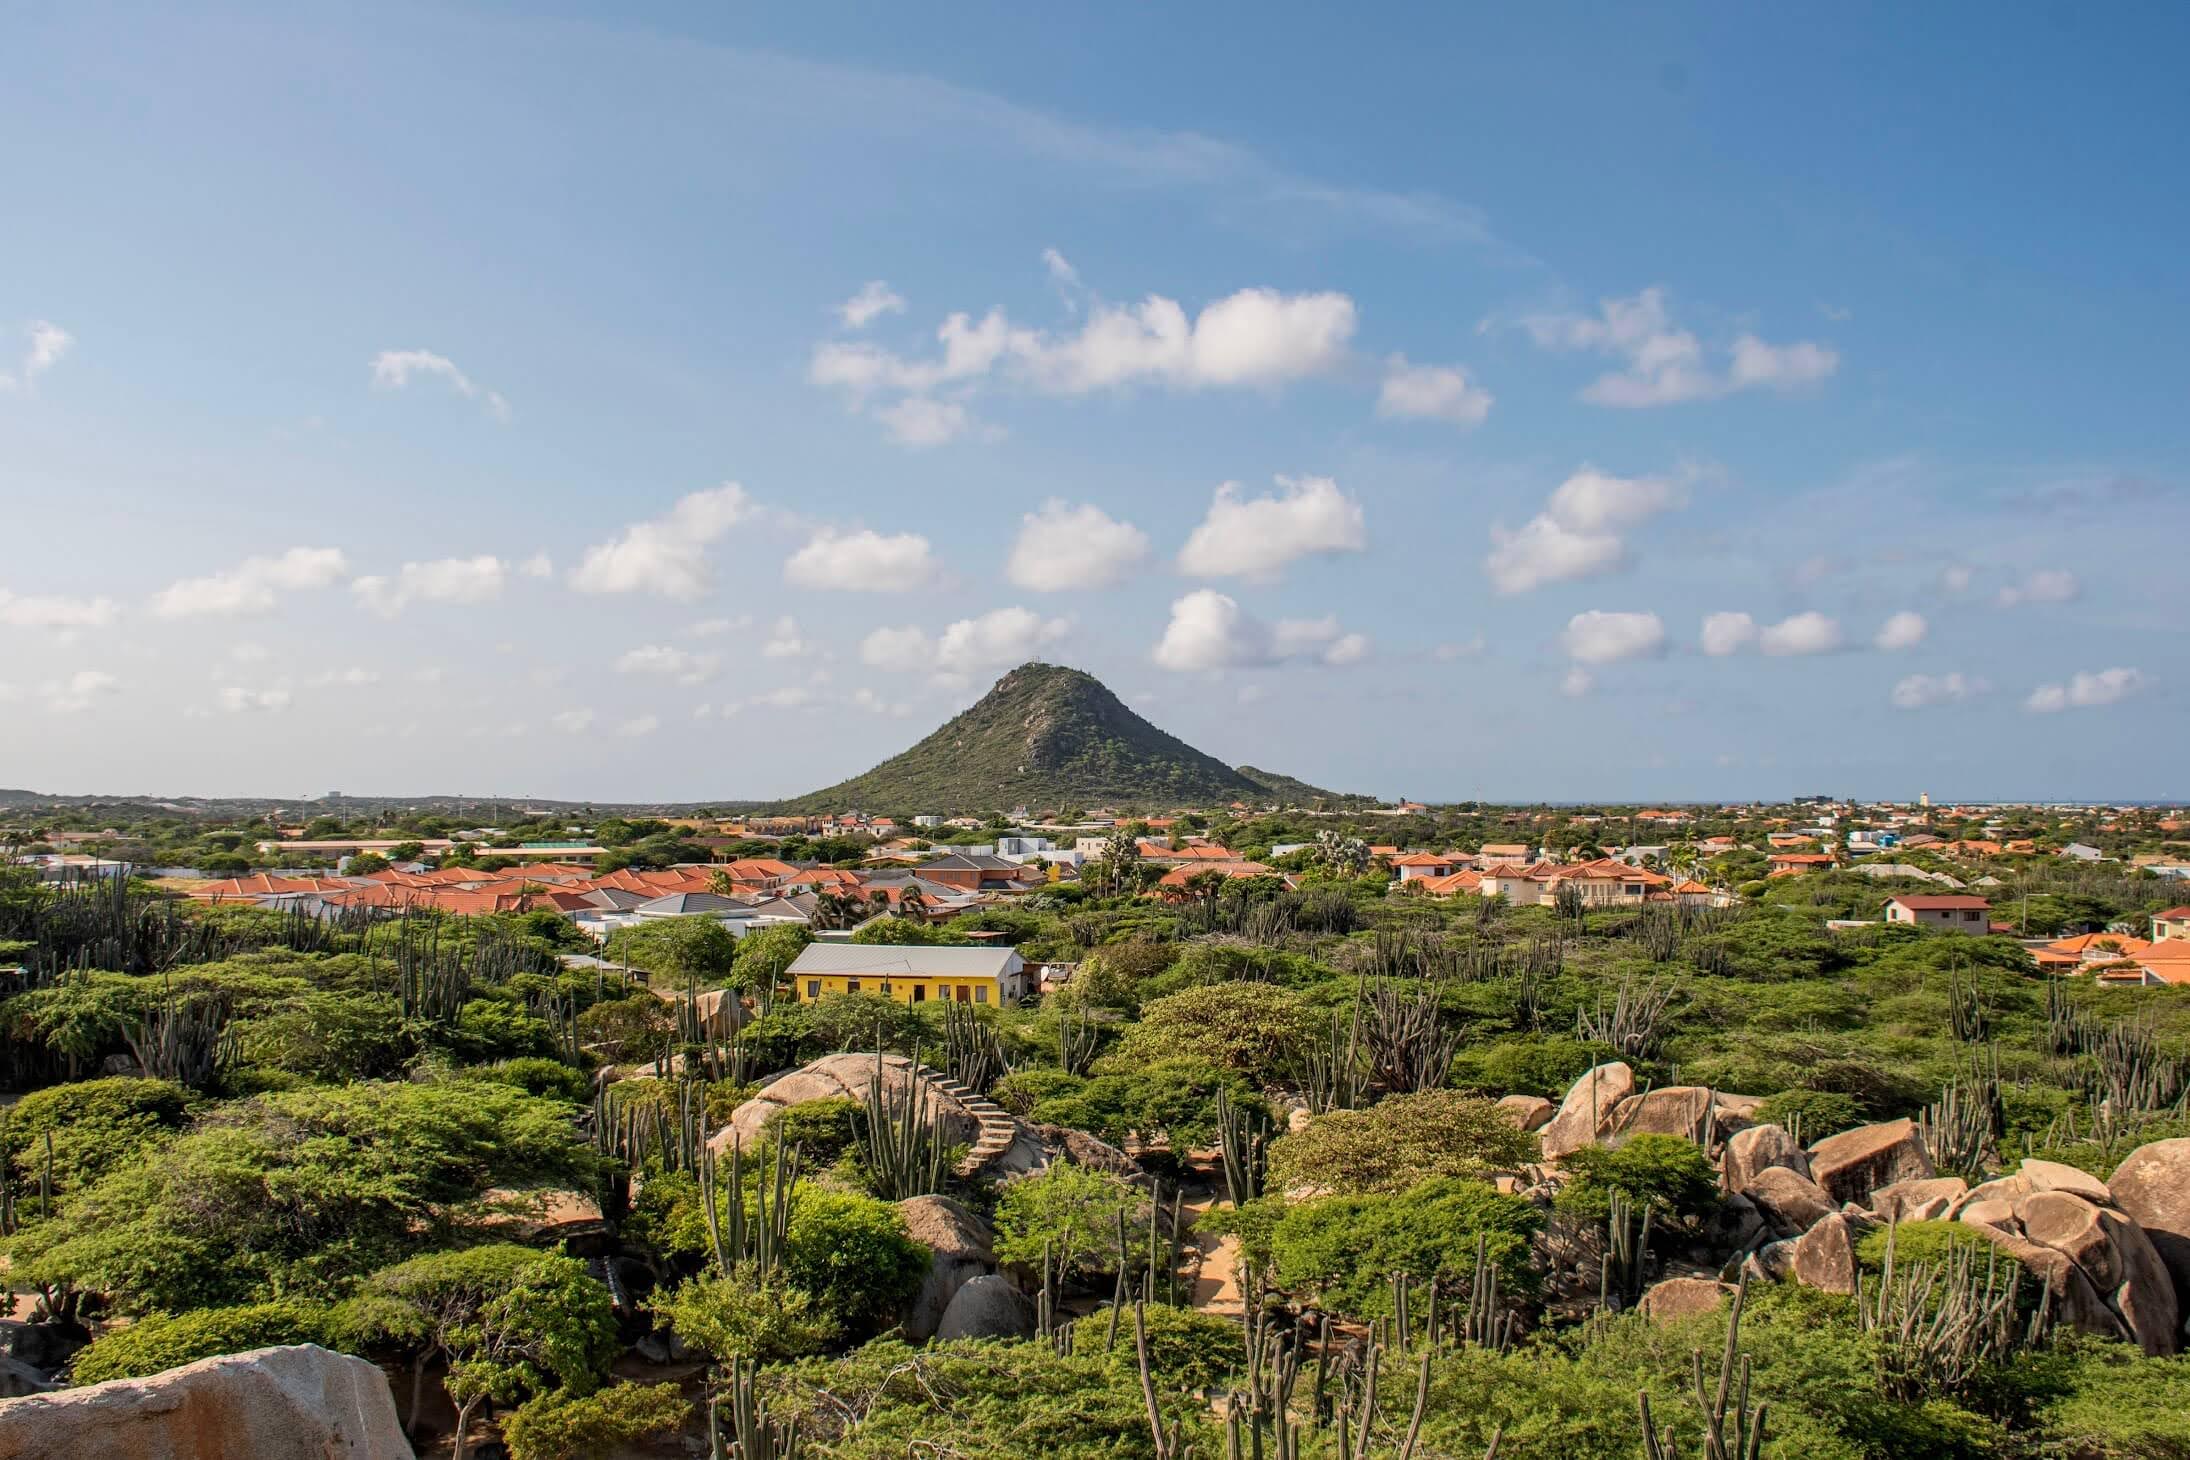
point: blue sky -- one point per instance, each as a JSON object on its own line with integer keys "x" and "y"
{"x": 1649, "y": 403}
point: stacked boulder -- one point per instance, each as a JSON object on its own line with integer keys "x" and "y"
{"x": 2066, "y": 1227}
{"x": 1605, "y": 1107}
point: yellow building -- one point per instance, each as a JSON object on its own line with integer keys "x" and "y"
{"x": 910, "y": 973}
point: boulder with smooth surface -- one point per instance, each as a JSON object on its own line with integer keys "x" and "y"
{"x": 1676, "y": 1110}
{"x": 1855, "y": 1163}
{"x": 2153, "y": 1185}
{"x": 1790, "y": 1202}
{"x": 1587, "y": 1109}
{"x": 1824, "y": 1256}
{"x": 960, "y": 1250}
{"x": 1923, "y": 1200}
{"x": 1679, "y": 1297}
{"x": 847, "y": 1077}
{"x": 1529, "y": 1112}
{"x": 1759, "y": 1148}
{"x": 299, "y": 1402}
{"x": 987, "y": 1307}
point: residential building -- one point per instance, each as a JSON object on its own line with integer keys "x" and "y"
{"x": 1961, "y": 913}
{"x": 910, "y": 974}
{"x": 2174, "y": 924}
{"x": 1423, "y": 864}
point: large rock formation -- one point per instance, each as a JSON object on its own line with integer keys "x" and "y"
{"x": 1529, "y": 1112}
{"x": 1824, "y": 1256}
{"x": 961, "y": 1246}
{"x": 1758, "y": 1149}
{"x": 1790, "y": 1202}
{"x": 1678, "y": 1297}
{"x": 1853, "y": 1164}
{"x": 1587, "y": 1109}
{"x": 2152, "y": 1185}
{"x": 987, "y": 1307}
{"x": 847, "y": 1077}
{"x": 294, "y": 1403}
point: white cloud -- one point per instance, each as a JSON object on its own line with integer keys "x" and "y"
{"x": 874, "y": 299}
{"x": 789, "y": 697}
{"x": 1063, "y": 548}
{"x": 1256, "y": 537}
{"x": 1255, "y": 337}
{"x": 1728, "y": 633}
{"x": 875, "y": 704}
{"x": 1209, "y": 630}
{"x": 1601, "y": 637}
{"x": 784, "y": 641}
{"x": 394, "y": 369}
{"x": 1577, "y": 535}
{"x": 995, "y": 640}
{"x": 863, "y": 561}
{"x": 1577, "y": 682}
{"x": 539, "y": 565}
{"x": 1905, "y": 630}
{"x": 1666, "y": 365}
{"x": 1920, "y": 691}
{"x": 682, "y": 665}
{"x": 1431, "y": 392}
{"x": 77, "y": 692}
{"x": 236, "y": 700}
{"x": 247, "y": 653}
{"x": 2087, "y": 690}
{"x": 639, "y": 725}
{"x": 2045, "y": 585}
{"x": 709, "y": 628}
{"x": 920, "y": 420}
{"x": 48, "y": 343}
{"x": 1470, "y": 648}
{"x": 665, "y": 555}
{"x": 1805, "y": 633}
{"x": 907, "y": 648}
{"x": 1954, "y": 578}
{"x": 571, "y": 722}
{"x": 444, "y": 580}
{"x": 1060, "y": 268}
{"x": 52, "y": 611}
{"x": 252, "y": 585}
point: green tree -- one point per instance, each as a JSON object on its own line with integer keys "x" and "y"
{"x": 1072, "y": 1212}
{"x": 677, "y": 949}
{"x": 1344, "y": 1249}
{"x": 1250, "y": 1028}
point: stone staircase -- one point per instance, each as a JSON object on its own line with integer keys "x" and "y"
{"x": 998, "y": 1129}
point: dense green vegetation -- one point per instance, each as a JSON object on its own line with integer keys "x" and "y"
{"x": 237, "y": 1127}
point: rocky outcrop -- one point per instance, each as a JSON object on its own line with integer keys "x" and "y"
{"x": 1681, "y": 1297}
{"x": 1790, "y": 1202}
{"x": 294, "y": 1403}
{"x": 1529, "y": 1112}
{"x": 1923, "y": 1200}
{"x": 1757, "y": 1149}
{"x": 1676, "y": 1110}
{"x": 1824, "y": 1256}
{"x": 1853, "y": 1164}
{"x": 1587, "y": 1109}
{"x": 847, "y": 1077}
{"x": 987, "y": 1307}
{"x": 960, "y": 1246}
{"x": 2152, "y": 1186}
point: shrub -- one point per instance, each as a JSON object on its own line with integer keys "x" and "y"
{"x": 158, "y": 1342}
{"x": 1022, "y": 1090}
{"x": 1072, "y": 1212}
{"x": 96, "y": 1125}
{"x": 1821, "y": 1112}
{"x": 1172, "y": 1099}
{"x": 1400, "y": 1142}
{"x": 1673, "y": 1176}
{"x": 1346, "y": 1248}
{"x": 1252, "y": 1029}
{"x": 823, "y": 1130}
{"x": 538, "y": 1075}
{"x": 1187, "y": 1350}
{"x": 1927, "y": 1242}
{"x": 563, "y": 1426}
{"x": 1535, "y": 1065}
{"x": 853, "y": 1254}
{"x": 733, "y": 1318}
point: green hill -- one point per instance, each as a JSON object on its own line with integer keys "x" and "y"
{"x": 1050, "y": 737}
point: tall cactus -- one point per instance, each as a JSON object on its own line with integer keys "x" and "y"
{"x": 1731, "y": 1429}
{"x": 755, "y": 1434}
{"x": 904, "y": 1151}
{"x": 1242, "y": 1137}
